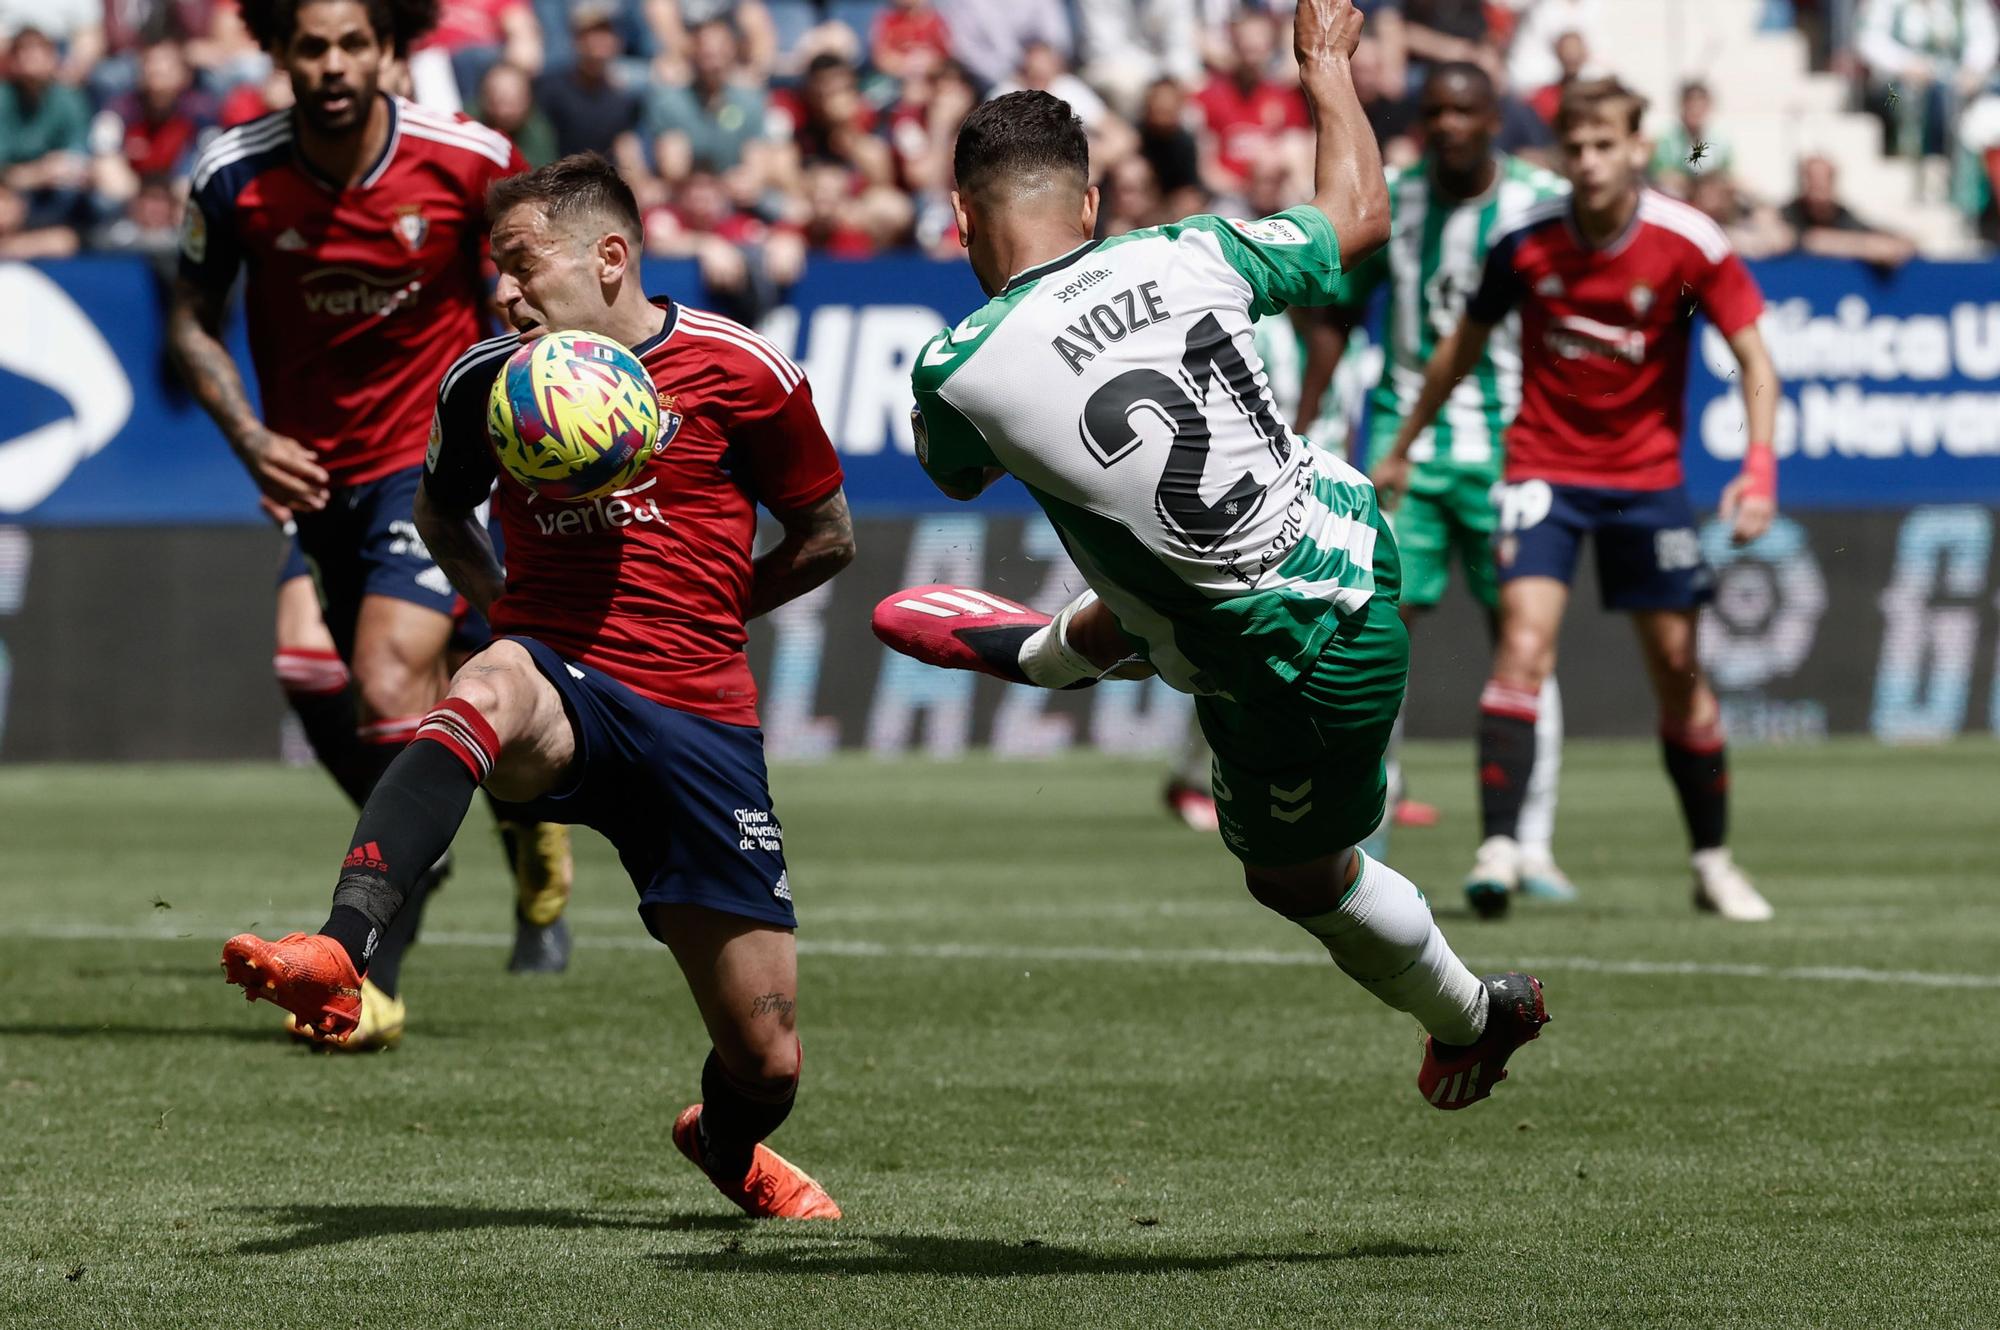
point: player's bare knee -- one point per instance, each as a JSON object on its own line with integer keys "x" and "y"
{"x": 388, "y": 686}
{"x": 1523, "y": 655}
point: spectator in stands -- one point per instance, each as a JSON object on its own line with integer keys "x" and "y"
{"x": 44, "y": 147}
{"x": 746, "y": 263}
{"x": 989, "y": 37}
{"x": 76, "y": 27}
{"x": 716, "y": 123}
{"x": 1439, "y": 31}
{"x": 1690, "y": 147}
{"x": 1572, "y": 61}
{"x": 1131, "y": 199}
{"x": 507, "y": 103}
{"x": 1177, "y": 158}
{"x": 152, "y": 132}
{"x": 1128, "y": 44}
{"x": 212, "y": 38}
{"x": 907, "y": 34}
{"x": 1923, "y": 57}
{"x": 150, "y": 224}
{"x": 1532, "y": 60}
{"x": 1247, "y": 107}
{"x": 1979, "y": 139}
{"x": 1826, "y": 227}
{"x": 1383, "y": 25}
{"x": 846, "y": 218}
{"x": 1390, "y": 114}
{"x": 673, "y": 23}
{"x": 588, "y": 105}
{"x": 933, "y": 96}
{"x": 1044, "y": 70}
{"x": 248, "y": 101}
{"x": 475, "y": 35}
{"x": 832, "y": 123}
{"x": 1754, "y": 228}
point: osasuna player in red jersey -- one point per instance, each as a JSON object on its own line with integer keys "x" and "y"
{"x": 617, "y": 694}
{"x": 1608, "y": 283}
{"x": 360, "y": 220}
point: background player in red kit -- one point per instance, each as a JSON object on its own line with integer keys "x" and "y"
{"x": 360, "y": 219}
{"x": 1608, "y": 283}
{"x": 618, "y": 694}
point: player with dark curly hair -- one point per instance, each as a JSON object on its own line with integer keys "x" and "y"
{"x": 361, "y": 220}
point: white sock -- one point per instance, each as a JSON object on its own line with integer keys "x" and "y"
{"x": 1383, "y": 937}
{"x": 1537, "y": 829}
{"x": 1047, "y": 657}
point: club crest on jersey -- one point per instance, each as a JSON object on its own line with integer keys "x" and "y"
{"x": 1641, "y": 299}
{"x": 670, "y": 423}
{"x": 412, "y": 228}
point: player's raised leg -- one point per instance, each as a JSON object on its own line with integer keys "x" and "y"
{"x": 1697, "y": 761}
{"x": 1524, "y": 657}
{"x": 744, "y": 977}
{"x": 502, "y": 724}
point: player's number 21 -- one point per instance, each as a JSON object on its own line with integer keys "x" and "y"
{"x": 1110, "y": 432}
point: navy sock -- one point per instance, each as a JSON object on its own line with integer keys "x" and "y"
{"x": 734, "y": 1119}
{"x": 1506, "y": 755}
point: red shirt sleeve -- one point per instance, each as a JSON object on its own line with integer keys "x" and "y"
{"x": 1729, "y": 295}
{"x": 792, "y": 464}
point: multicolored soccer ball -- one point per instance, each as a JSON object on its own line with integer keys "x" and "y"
{"x": 574, "y": 416}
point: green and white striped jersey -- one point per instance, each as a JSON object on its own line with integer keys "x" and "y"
{"x": 1436, "y": 252}
{"x": 1120, "y": 383}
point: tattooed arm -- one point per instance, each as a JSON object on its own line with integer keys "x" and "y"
{"x": 284, "y": 469}
{"x": 819, "y": 542}
{"x": 458, "y": 541}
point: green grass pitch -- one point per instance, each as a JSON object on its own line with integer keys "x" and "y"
{"x": 1060, "y": 1071}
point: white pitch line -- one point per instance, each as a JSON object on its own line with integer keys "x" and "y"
{"x": 1250, "y": 956}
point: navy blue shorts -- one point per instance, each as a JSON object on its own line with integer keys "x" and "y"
{"x": 1647, "y": 545}
{"x": 366, "y": 544}
{"x": 683, "y": 799}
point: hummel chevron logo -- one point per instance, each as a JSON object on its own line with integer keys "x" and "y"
{"x": 1281, "y": 797}
{"x": 944, "y": 349}
{"x": 956, "y": 601}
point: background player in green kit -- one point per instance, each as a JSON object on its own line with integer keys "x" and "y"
{"x": 1444, "y": 211}
{"x": 1119, "y": 382}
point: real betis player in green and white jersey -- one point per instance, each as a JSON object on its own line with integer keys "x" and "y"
{"x": 1118, "y": 381}
{"x": 1443, "y": 214}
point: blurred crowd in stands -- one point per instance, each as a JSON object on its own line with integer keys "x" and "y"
{"x": 757, "y": 132}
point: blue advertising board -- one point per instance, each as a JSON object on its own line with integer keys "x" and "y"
{"x": 1892, "y": 386}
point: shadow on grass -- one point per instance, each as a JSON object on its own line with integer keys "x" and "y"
{"x": 749, "y": 1247}
{"x": 328, "y": 1225}
{"x": 826, "y": 1252}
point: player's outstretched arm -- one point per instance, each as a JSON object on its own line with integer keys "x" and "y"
{"x": 284, "y": 468}
{"x": 818, "y": 542}
{"x": 459, "y": 543}
{"x": 1452, "y": 361}
{"x": 1348, "y": 185}
{"x": 1750, "y": 501}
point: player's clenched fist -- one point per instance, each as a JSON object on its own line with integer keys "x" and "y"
{"x": 1325, "y": 29}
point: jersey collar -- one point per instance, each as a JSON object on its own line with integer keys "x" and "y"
{"x": 666, "y": 329}
{"x": 381, "y": 163}
{"x": 1616, "y": 245}
{"x": 1040, "y": 270}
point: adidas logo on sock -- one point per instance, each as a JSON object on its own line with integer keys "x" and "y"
{"x": 366, "y": 856}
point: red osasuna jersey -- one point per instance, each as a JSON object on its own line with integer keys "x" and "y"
{"x": 1605, "y": 335}
{"x": 358, "y": 298}
{"x": 652, "y": 584}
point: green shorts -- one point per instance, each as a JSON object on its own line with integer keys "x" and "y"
{"x": 1298, "y": 771}
{"x": 1447, "y": 515}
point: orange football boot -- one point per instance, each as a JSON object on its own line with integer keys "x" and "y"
{"x": 308, "y": 974}
{"x": 774, "y": 1188}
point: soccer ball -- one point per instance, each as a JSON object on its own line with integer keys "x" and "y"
{"x": 573, "y": 416}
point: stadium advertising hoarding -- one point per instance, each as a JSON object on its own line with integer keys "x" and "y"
{"x": 1871, "y": 608}
{"x": 1863, "y": 622}
{"x": 1892, "y": 388}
